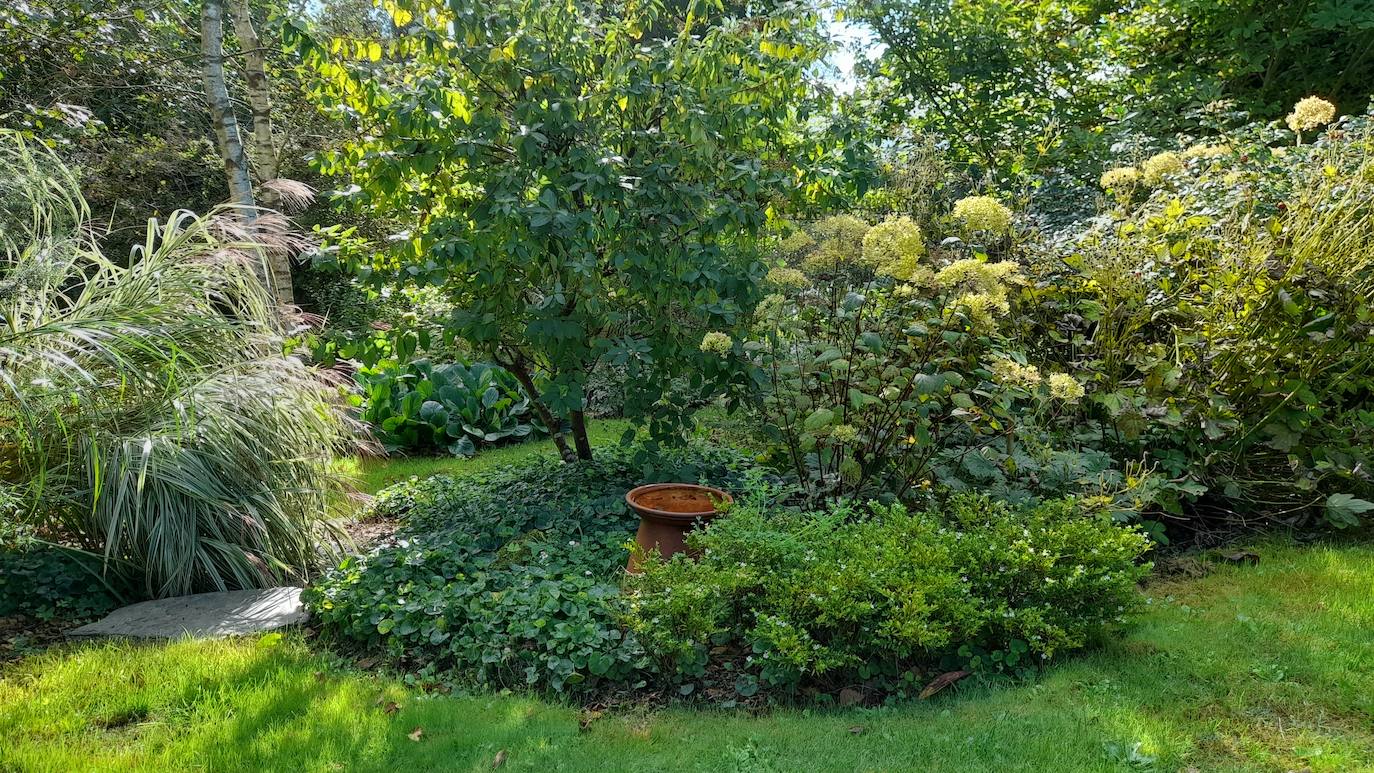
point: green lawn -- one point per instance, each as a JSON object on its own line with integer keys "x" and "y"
{"x": 372, "y": 474}
{"x": 1267, "y": 667}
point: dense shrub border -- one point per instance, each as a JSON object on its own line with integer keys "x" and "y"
{"x": 884, "y": 595}
{"x": 515, "y": 578}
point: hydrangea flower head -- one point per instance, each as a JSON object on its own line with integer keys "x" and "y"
{"x": 786, "y": 278}
{"x": 1161, "y": 165}
{"x": 983, "y": 213}
{"x": 1207, "y": 151}
{"x": 893, "y": 246}
{"x": 1009, "y": 372}
{"x": 844, "y": 433}
{"x": 717, "y": 343}
{"x": 1065, "y": 387}
{"x": 1121, "y": 178}
{"x": 1310, "y": 113}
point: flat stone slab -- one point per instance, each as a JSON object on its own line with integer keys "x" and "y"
{"x": 203, "y": 616}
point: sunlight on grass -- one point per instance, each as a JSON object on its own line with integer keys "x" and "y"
{"x": 1250, "y": 668}
{"x": 372, "y": 474}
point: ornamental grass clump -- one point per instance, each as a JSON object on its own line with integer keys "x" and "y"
{"x": 147, "y": 414}
{"x": 888, "y": 595}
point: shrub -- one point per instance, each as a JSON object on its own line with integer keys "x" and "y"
{"x": 829, "y": 598}
{"x": 1227, "y": 325}
{"x": 510, "y": 577}
{"x": 454, "y": 407}
{"x": 864, "y": 386}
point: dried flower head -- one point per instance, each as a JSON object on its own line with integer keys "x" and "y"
{"x": 983, "y": 213}
{"x": 1310, "y": 113}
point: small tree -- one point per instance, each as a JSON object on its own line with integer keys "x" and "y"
{"x": 582, "y": 190}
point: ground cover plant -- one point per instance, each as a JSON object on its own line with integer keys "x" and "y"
{"x": 509, "y": 577}
{"x": 514, "y": 578}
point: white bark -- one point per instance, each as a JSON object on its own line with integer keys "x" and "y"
{"x": 276, "y": 264}
{"x": 264, "y": 149}
{"x": 221, "y": 109}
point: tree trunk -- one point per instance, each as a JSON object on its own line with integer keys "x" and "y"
{"x": 262, "y": 147}
{"x": 521, "y": 371}
{"x": 221, "y": 109}
{"x": 579, "y": 433}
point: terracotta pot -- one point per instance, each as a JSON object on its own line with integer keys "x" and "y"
{"x": 667, "y": 511}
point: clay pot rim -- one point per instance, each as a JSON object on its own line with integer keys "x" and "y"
{"x": 665, "y": 516}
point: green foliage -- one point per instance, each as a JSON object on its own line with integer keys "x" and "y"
{"x": 1225, "y": 321}
{"x": 827, "y": 598}
{"x": 454, "y": 407}
{"x": 509, "y": 577}
{"x": 148, "y": 415}
{"x": 582, "y": 190}
{"x": 866, "y": 385}
{"x": 49, "y": 583}
{"x": 1021, "y": 88}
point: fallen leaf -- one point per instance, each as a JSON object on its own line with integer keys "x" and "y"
{"x": 391, "y": 707}
{"x": 587, "y": 718}
{"x": 500, "y": 759}
{"x": 849, "y": 696}
{"x": 941, "y": 682}
{"x": 1242, "y": 557}
{"x": 416, "y": 734}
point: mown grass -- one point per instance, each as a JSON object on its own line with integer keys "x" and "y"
{"x": 372, "y": 474}
{"x": 1267, "y": 667}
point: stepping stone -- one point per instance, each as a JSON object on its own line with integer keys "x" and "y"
{"x": 203, "y": 616}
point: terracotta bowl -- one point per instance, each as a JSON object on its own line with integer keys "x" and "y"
{"x": 667, "y": 511}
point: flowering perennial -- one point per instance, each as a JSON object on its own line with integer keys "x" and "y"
{"x": 983, "y": 213}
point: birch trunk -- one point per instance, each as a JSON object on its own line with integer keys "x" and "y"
{"x": 221, "y": 109}
{"x": 262, "y": 146}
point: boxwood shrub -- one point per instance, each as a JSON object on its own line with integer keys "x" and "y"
{"x": 839, "y": 596}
